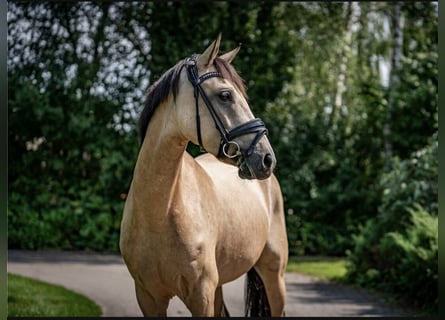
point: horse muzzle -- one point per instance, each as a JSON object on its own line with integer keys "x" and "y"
{"x": 256, "y": 166}
{"x": 255, "y": 158}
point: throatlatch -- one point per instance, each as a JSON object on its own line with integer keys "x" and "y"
{"x": 253, "y": 126}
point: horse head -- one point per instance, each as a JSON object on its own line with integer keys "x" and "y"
{"x": 213, "y": 112}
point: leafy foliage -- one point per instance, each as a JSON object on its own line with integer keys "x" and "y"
{"x": 66, "y": 151}
{"x": 413, "y": 259}
{"x": 397, "y": 251}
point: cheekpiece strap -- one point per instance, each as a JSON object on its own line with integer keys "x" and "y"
{"x": 192, "y": 73}
{"x": 256, "y": 125}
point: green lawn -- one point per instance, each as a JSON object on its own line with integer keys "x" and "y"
{"x": 29, "y": 297}
{"x": 327, "y": 268}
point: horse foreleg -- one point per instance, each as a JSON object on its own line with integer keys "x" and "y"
{"x": 201, "y": 298}
{"x": 151, "y": 306}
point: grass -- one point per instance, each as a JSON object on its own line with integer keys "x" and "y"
{"x": 327, "y": 268}
{"x": 29, "y": 297}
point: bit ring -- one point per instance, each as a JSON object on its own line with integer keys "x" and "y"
{"x": 227, "y": 145}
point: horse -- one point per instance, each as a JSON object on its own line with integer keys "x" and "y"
{"x": 190, "y": 225}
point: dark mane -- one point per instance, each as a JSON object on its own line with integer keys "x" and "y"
{"x": 157, "y": 93}
{"x": 168, "y": 83}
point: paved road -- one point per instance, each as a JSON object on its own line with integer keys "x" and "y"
{"x": 105, "y": 279}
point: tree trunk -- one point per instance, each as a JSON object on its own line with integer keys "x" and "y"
{"x": 394, "y": 80}
{"x": 351, "y": 17}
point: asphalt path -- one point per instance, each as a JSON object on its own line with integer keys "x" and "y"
{"x": 104, "y": 279}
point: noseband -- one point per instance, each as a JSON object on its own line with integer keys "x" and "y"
{"x": 253, "y": 126}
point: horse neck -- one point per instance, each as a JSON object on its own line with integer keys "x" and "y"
{"x": 159, "y": 161}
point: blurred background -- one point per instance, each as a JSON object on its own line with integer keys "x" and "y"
{"x": 348, "y": 92}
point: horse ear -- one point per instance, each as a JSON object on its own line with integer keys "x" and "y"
{"x": 207, "y": 57}
{"x": 229, "y": 56}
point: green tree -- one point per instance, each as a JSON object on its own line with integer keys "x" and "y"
{"x": 66, "y": 143}
{"x": 330, "y": 146}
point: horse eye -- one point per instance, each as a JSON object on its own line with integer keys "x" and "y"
{"x": 225, "y": 96}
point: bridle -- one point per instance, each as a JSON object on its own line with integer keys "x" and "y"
{"x": 252, "y": 126}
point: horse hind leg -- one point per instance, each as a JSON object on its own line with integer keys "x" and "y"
{"x": 257, "y": 302}
{"x": 271, "y": 266}
{"x": 220, "y": 306}
{"x": 265, "y": 293}
{"x": 275, "y": 289}
{"x": 266, "y": 280}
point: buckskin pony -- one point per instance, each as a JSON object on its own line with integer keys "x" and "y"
{"x": 192, "y": 224}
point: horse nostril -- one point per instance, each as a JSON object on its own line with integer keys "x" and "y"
{"x": 267, "y": 161}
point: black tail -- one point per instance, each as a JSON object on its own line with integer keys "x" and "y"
{"x": 225, "y": 311}
{"x": 257, "y": 304}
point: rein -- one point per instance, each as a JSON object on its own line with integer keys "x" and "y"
{"x": 253, "y": 126}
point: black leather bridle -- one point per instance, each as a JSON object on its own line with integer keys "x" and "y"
{"x": 253, "y": 126}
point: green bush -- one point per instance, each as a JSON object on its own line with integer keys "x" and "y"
{"x": 65, "y": 220}
{"x": 397, "y": 251}
{"x": 412, "y": 259}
